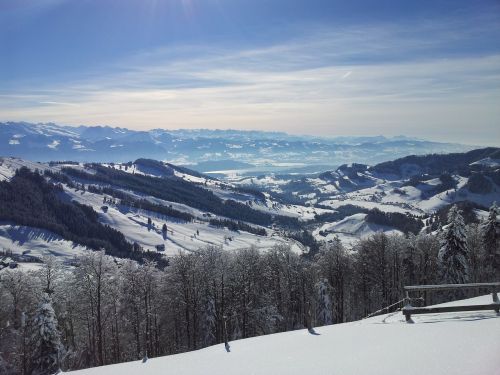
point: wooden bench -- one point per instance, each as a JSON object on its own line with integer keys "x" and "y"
{"x": 409, "y": 310}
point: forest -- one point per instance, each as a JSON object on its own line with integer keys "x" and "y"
{"x": 107, "y": 310}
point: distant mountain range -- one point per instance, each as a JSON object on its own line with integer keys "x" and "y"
{"x": 207, "y": 150}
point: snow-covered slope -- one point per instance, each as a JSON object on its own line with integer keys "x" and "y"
{"x": 460, "y": 343}
{"x": 8, "y": 166}
{"x": 351, "y": 229}
{"x": 190, "y": 236}
{"x": 488, "y": 162}
{"x": 36, "y": 243}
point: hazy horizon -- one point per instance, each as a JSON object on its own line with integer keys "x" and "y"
{"x": 492, "y": 143}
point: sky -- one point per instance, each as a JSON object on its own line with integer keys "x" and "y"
{"x": 429, "y": 69}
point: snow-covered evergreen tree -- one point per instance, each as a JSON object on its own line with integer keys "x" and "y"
{"x": 491, "y": 242}
{"x": 453, "y": 256}
{"x": 47, "y": 338}
{"x": 324, "y": 310}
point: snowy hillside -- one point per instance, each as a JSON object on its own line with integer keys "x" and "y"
{"x": 36, "y": 243}
{"x": 460, "y": 343}
{"x": 351, "y": 229}
{"x": 133, "y": 223}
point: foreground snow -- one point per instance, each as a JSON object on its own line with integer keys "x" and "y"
{"x": 461, "y": 343}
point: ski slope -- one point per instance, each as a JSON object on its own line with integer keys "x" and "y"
{"x": 460, "y": 343}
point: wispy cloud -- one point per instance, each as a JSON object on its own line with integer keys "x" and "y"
{"x": 350, "y": 81}
{"x": 345, "y": 75}
{"x": 60, "y": 103}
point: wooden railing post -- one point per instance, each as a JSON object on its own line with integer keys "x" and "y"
{"x": 407, "y": 300}
{"x": 407, "y": 306}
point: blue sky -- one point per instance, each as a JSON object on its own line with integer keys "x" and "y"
{"x": 429, "y": 69}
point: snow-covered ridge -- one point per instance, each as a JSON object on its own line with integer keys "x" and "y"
{"x": 459, "y": 343}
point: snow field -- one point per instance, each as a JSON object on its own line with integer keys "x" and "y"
{"x": 449, "y": 343}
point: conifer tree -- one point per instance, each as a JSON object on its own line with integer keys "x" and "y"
{"x": 47, "y": 338}
{"x": 453, "y": 256}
